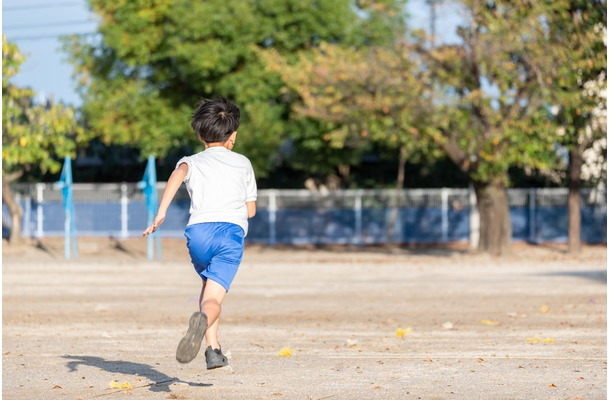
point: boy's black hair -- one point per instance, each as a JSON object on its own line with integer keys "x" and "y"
{"x": 215, "y": 120}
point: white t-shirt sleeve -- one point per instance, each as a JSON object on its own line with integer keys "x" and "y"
{"x": 251, "y": 193}
{"x": 187, "y": 161}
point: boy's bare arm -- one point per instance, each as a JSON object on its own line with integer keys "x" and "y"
{"x": 251, "y": 206}
{"x": 173, "y": 184}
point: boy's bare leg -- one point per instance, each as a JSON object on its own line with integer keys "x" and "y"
{"x": 211, "y": 337}
{"x": 210, "y": 301}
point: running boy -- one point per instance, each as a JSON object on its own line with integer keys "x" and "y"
{"x": 223, "y": 195}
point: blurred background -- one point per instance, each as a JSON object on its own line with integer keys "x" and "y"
{"x": 367, "y": 122}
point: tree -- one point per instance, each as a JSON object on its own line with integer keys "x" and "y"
{"x": 154, "y": 59}
{"x": 576, "y": 80}
{"x": 490, "y": 111}
{"x": 33, "y": 135}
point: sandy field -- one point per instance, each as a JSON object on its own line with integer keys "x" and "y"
{"x": 307, "y": 323}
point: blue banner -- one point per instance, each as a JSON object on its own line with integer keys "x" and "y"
{"x": 65, "y": 183}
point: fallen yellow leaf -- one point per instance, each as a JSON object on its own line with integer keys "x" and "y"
{"x": 489, "y": 322}
{"x": 285, "y": 352}
{"x": 544, "y": 309}
{"x": 125, "y": 385}
{"x": 400, "y": 332}
{"x": 538, "y": 339}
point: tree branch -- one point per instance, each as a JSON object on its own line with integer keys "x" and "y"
{"x": 12, "y": 176}
{"x": 454, "y": 152}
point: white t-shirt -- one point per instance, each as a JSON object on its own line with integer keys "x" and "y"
{"x": 220, "y": 182}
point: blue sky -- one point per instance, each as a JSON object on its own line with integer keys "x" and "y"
{"x": 35, "y": 25}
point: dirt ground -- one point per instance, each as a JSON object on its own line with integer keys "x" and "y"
{"x": 374, "y": 323}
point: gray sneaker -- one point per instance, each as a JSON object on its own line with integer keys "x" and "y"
{"x": 191, "y": 342}
{"x": 214, "y": 358}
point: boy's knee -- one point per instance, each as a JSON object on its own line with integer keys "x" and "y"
{"x": 212, "y": 302}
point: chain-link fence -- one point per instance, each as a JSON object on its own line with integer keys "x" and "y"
{"x": 304, "y": 217}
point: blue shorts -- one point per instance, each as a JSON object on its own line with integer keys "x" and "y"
{"x": 216, "y": 249}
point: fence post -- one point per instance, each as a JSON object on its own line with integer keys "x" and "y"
{"x": 445, "y": 214}
{"x": 27, "y": 216}
{"x": 358, "y": 215}
{"x": 24, "y": 216}
{"x": 532, "y": 214}
{"x": 473, "y": 218}
{"x": 272, "y": 216}
{"x": 124, "y": 211}
{"x": 39, "y": 214}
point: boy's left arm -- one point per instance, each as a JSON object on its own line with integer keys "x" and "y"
{"x": 251, "y": 206}
{"x": 173, "y": 184}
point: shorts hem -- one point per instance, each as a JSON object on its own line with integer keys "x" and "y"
{"x": 205, "y": 276}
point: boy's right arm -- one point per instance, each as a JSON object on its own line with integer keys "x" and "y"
{"x": 173, "y": 184}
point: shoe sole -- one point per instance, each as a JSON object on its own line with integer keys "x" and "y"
{"x": 217, "y": 365}
{"x": 189, "y": 345}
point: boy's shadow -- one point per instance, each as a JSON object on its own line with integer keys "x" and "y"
{"x": 160, "y": 381}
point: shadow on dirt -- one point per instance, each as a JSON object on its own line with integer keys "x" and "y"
{"x": 393, "y": 249}
{"x": 600, "y": 276}
{"x": 160, "y": 380}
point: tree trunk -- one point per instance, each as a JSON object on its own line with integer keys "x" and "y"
{"x": 495, "y": 228}
{"x": 574, "y": 166}
{"x": 344, "y": 170}
{"x": 13, "y": 207}
{"x": 400, "y": 183}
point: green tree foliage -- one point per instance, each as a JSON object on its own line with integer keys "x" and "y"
{"x": 370, "y": 96}
{"x": 155, "y": 58}
{"x": 576, "y": 69}
{"x": 33, "y": 135}
{"x": 332, "y": 83}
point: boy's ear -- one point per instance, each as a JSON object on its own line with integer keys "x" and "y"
{"x": 233, "y": 136}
